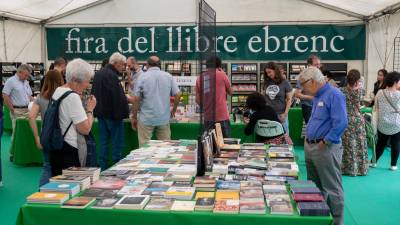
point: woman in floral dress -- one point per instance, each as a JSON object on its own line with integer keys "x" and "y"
{"x": 355, "y": 149}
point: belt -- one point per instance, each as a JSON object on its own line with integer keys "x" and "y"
{"x": 20, "y": 107}
{"x": 316, "y": 141}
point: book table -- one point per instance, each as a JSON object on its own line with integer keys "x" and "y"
{"x": 39, "y": 214}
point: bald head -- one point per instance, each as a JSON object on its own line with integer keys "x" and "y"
{"x": 154, "y": 61}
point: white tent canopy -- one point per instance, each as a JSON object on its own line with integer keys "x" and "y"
{"x": 37, "y": 11}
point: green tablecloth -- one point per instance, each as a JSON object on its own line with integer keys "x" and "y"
{"x": 7, "y": 124}
{"x": 30, "y": 214}
{"x": 25, "y": 152}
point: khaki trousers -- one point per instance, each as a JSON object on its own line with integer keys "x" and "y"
{"x": 18, "y": 113}
{"x": 145, "y": 132}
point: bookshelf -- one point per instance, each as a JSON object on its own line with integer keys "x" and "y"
{"x": 294, "y": 71}
{"x": 8, "y": 69}
{"x": 37, "y": 75}
{"x": 338, "y": 71}
{"x": 244, "y": 80}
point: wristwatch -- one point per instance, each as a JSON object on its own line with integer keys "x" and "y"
{"x": 89, "y": 112}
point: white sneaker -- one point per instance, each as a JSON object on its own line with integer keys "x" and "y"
{"x": 393, "y": 168}
{"x": 1, "y": 183}
{"x": 373, "y": 165}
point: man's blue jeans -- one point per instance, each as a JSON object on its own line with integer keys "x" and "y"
{"x": 114, "y": 130}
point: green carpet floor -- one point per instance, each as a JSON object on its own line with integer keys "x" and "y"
{"x": 369, "y": 200}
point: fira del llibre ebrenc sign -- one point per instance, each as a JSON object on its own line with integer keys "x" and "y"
{"x": 235, "y": 42}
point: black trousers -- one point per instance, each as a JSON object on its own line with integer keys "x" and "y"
{"x": 306, "y": 110}
{"x": 395, "y": 146}
{"x": 64, "y": 158}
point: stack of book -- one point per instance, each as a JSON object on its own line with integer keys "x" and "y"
{"x": 228, "y": 185}
{"x": 180, "y": 193}
{"x": 251, "y": 197}
{"x": 205, "y": 183}
{"x": 159, "y": 204}
{"x": 158, "y": 188}
{"x": 48, "y": 198}
{"x": 78, "y": 203}
{"x": 83, "y": 181}
{"x": 226, "y": 202}
{"x": 205, "y": 201}
{"x": 309, "y": 199}
{"x": 92, "y": 172}
{"x": 277, "y": 198}
{"x": 281, "y": 163}
{"x": 132, "y": 202}
{"x": 68, "y": 188}
{"x": 184, "y": 206}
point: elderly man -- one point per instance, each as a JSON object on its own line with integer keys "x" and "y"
{"x": 111, "y": 109}
{"x": 17, "y": 94}
{"x": 305, "y": 98}
{"x": 323, "y": 149}
{"x": 152, "y": 95}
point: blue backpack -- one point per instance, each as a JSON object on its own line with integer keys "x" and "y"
{"x": 51, "y": 136}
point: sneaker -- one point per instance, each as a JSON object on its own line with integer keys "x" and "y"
{"x": 373, "y": 165}
{"x": 393, "y": 168}
{"x": 1, "y": 183}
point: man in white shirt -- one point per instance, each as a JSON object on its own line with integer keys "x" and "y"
{"x": 17, "y": 95}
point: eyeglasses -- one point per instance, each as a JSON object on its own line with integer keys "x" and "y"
{"x": 303, "y": 83}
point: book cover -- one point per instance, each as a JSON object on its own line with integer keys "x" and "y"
{"x": 255, "y": 206}
{"x": 105, "y": 203}
{"x": 251, "y": 193}
{"x": 159, "y": 204}
{"x": 227, "y": 195}
{"x": 281, "y": 208}
{"x": 305, "y": 190}
{"x": 78, "y": 202}
{"x": 308, "y": 198}
{"x": 109, "y": 183}
{"x": 183, "y": 205}
{"x": 205, "y": 194}
{"x": 182, "y": 184}
{"x": 313, "y": 209}
{"x": 99, "y": 193}
{"x": 132, "y": 202}
{"x": 228, "y": 185}
{"x": 131, "y": 190}
{"x": 205, "y": 203}
{"x": 226, "y": 206}
{"x": 48, "y": 197}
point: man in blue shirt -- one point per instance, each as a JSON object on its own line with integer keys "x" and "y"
{"x": 152, "y": 100}
{"x": 322, "y": 148}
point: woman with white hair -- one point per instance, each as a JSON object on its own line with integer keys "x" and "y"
{"x": 74, "y": 121}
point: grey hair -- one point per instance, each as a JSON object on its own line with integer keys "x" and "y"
{"x": 78, "y": 70}
{"x": 25, "y": 67}
{"x": 117, "y": 57}
{"x": 312, "y": 73}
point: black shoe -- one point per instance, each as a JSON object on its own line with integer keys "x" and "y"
{"x": 11, "y": 158}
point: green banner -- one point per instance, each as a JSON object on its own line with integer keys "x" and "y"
{"x": 252, "y": 42}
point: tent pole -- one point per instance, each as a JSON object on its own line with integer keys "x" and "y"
{"x": 4, "y": 39}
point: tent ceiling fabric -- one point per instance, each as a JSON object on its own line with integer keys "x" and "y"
{"x": 40, "y": 10}
{"x": 361, "y": 7}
